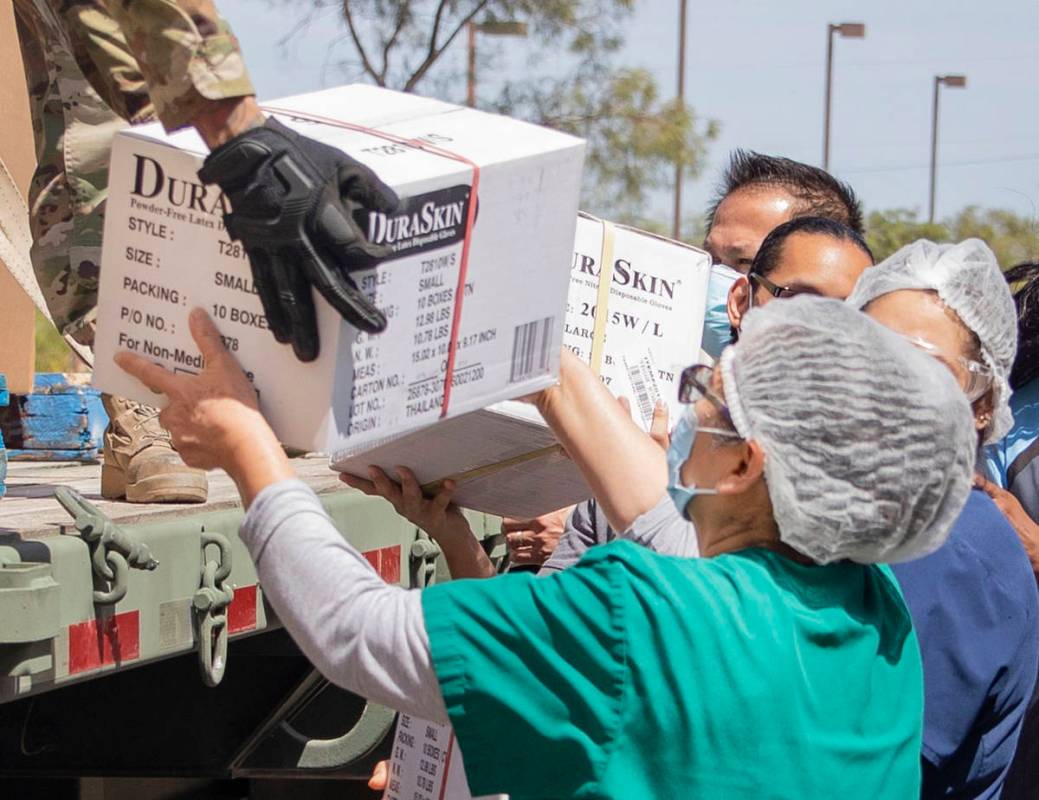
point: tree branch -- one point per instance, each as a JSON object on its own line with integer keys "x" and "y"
{"x": 434, "y": 51}
{"x": 360, "y": 47}
{"x": 402, "y": 17}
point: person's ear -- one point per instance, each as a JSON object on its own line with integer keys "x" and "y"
{"x": 983, "y": 410}
{"x": 747, "y": 471}
{"x": 738, "y": 300}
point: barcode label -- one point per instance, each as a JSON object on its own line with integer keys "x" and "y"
{"x": 647, "y": 393}
{"x": 530, "y": 349}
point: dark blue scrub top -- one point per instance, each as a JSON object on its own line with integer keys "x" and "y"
{"x": 976, "y": 611}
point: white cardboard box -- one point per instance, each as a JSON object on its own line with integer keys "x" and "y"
{"x": 504, "y": 458}
{"x": 426, "y": 763}
{"x": 166, "y": 251}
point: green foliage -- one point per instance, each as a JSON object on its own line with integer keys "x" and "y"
{"x": 52, "y": 354}
{"x": 1012, "y": 237}
{"x": 397, "y": 42}
{"x": 888, "y": 230}
{"x": 635, "y": 135}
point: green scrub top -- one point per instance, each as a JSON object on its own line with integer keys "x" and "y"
{"x": 637, "y": 675}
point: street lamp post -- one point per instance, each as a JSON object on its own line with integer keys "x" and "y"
{"x": 676, "y": 228}
{"x": 955, "y": 82}
{"x": 505, "y": 28}
{"x": 848, "y": 30}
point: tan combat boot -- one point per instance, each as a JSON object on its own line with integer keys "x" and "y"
{"x": 140, "y": 462}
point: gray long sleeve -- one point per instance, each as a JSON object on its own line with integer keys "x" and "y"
{"x": 362, "y": 634}
{"x": 661, "y": 529}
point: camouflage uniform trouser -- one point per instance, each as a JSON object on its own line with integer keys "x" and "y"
{"x": 73, "y": 129}
{"x": 84, "y": 81}
{"x": 66, "y": 249}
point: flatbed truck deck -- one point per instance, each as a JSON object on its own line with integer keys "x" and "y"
{"x": 135, "y": 641}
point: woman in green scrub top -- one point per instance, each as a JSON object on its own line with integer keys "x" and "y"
{"x": 783, "y": 664}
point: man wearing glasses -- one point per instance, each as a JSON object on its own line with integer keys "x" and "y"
{"x": 756, "y": 193}
{"x": 806, "y": 255}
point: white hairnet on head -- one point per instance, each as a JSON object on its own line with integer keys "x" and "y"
{"x": 869, "y": 443}
{"x": 968, "y": 280}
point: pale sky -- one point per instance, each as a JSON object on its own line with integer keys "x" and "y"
{"x": 757, "y": 66}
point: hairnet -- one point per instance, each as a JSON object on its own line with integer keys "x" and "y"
{"x": 869, "y": 443}
{"x": 968, "y": 280}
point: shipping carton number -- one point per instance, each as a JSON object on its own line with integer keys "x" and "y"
{"x": 232, "y": 249}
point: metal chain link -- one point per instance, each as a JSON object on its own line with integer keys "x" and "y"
{"x": 112, "y": 550}
{"x": 424, "y": 553}
{"x": 118, "y": 576}
{"x": 210, "y": 602}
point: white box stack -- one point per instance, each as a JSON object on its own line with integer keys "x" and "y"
{"x": 166, "y": 251}
{"x": 639, "y": 323}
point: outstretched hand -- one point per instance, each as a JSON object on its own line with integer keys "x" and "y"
{"x": 660, "y": 424}
{"x": 1026, "y": 528}
{"x": 438, "y": 516}
{"x": 531, "y": 542}
{"x": 435, "y": 515}
{"x": 213, "y": 417}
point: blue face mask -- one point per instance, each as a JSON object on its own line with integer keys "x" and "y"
{"x": 682, "y": 438}
{"x": 717, "y": 330}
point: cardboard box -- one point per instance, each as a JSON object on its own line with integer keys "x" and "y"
{"x": 166, "y": 251}
{"x": 18, "y": 154}
{"x": 638, "y": 322}
{"x": 426, "y": 763}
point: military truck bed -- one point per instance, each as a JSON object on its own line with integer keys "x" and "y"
{"x": 29, "y": 507}
{"x": 66, "y": 617}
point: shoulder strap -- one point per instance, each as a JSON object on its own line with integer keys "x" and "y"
{"x": 15, "y": 244}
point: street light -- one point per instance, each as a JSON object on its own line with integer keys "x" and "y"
{"x": 676, "y": 227}
{"x": 953, "y": 82}
{"x": 504, "y": 28}
{"x": 848, "y": 30}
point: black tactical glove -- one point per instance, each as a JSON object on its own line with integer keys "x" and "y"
{"x": 299, "y": 207}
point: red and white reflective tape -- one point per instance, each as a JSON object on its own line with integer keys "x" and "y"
{"x": 241, "y": 614}
{"x": 96, "y": 643}
{"x": 386, "y": 561}
{"x": 463, "y": 267}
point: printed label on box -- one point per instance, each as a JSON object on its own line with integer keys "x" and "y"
{"x": 640, "y": 320}
{"x": 426, "y": 764}
{"x": 653, "y": 321}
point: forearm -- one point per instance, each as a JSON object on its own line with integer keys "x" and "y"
{"x": 361, "y": 633}
{"x": 463, "y": 553}
{"x": 187, "y": 54}
{"x": 256, "y": 459}
{"x": 222, "y": 120}
{"x": 625, "y": 468}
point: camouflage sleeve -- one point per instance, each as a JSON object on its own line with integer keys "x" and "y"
{"x": 187, "y": 53}
{"x": 104, "y": 58}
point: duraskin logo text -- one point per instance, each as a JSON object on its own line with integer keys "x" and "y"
{"x": 151, "y": 181}
{"x": 624, "y": 274}
{"x": 424, "y": 222}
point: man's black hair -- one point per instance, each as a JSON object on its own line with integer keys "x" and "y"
{"x": 1026, "y": 298}
{"x": 771, "y": 250}
{"x": 815, "y": 191}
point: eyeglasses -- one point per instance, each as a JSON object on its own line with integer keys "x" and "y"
{"x": 978, "y": 376}
{"x": 774, "y": 290}
{"x": 694, "y": 383}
